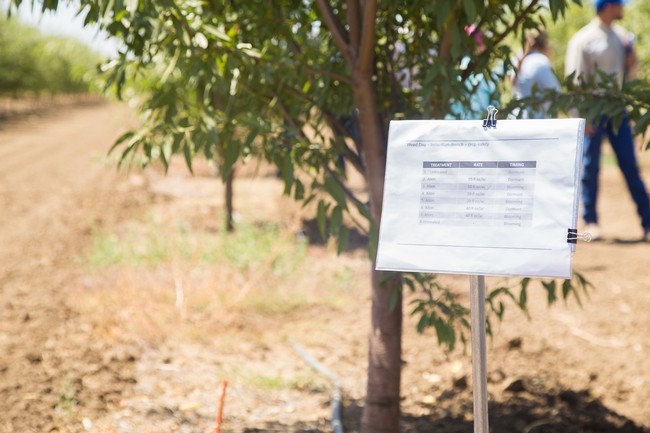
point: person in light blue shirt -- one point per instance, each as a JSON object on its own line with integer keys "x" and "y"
{"x": 535, "y": 73}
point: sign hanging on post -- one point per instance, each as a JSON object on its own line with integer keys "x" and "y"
{"x": 462, "y": 198}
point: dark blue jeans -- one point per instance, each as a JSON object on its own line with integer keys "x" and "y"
{"x": 623, "y": 145}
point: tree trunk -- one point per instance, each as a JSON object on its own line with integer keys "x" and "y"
{"x": 382, "y": 409}
{"x": 229, "y": 209}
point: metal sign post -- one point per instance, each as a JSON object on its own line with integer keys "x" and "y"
{"x": 479, "y": 353}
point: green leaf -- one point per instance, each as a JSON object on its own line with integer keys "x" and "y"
{"x": 550, "y": 289}
{"x": 393, "y": 300}
{"x": 500, "y": 311}
{"x": 287, "y": 173}
{"x": 409, "y": 283}
{"x": 321, "y": 218}
{"x": 335, "y": 220}
{"x": 523, "y": 295}
{"x": 642, "y": 123}
{"x": 299, "y": 192}
{"x": 166, "y": 153}
{"x": 363, "y": 210}
{"x": 249, "y": 140}
{"x": 251, "y": 52}
{"x": 309, "y": 199}
{"x": 566, "y": 289}
{"x": 386, "y": 278}
{"x": 187, "y": 152}
{"x": 215, "y": 32}
{"x": 172, "y": 65}
{"x": 442, "y": 11}
{"x": 373, "y": 240}
{"x": 419, "y": 308}
{"x": 335, "y": 190}
{"x": 344, "y": 238}
{"x": 422, "y": 323}
{"x": 121, "y": 139}
{"x": 470, "y": 10}
{"x": 583, "y": 282}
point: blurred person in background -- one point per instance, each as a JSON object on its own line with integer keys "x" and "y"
{"x": 481, "y": 90}
{"x": 607, "y": 47}
{"x": 535, "y": 72}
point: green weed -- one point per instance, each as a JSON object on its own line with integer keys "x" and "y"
{"x": 308, "y": 381}
{"x": 273, "y": 382}
{"x": 345, "y": 278}
{"x": 65, "y": 399}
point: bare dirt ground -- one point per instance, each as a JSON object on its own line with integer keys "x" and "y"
{"x": 91, "y": 341}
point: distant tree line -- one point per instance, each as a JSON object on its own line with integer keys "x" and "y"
{"x": 32, "y": 64}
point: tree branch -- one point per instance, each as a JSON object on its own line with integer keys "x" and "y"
{"x": 515, "y": 24}
{"x": 352, "y": 156}
{"x": 368, "y": 35}
{"x": 472, "y": 65}
{"x": 347, "y": 191}
{"x": 354, "y": 24}
{"x": 339, "y": 77}
{"x": 445, "y": 40}
{"x": 292, "y": 123}
{"x": 334, "y": 124}
{"x": 445, "y": 44}
{"x": 390, "y": 67}
{"x": 336, "y": 29}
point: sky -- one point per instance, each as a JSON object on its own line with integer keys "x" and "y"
{"x": 65, "y": 22}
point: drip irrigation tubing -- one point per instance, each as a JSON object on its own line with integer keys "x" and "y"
{"x": 335, "y": 405}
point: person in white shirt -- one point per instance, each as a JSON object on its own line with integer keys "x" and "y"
{"x": 602, "y": 45}
{"x": 535, "y": 72}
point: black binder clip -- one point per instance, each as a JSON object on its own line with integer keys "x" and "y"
{"x": 573, "y": 236}
{"x": 491, "y": 120}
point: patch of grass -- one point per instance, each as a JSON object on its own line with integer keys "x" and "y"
{"x": 272, "y": 382}
{"x": 150, "y": 281}
{"x": 306, "y": 381}
{"x": 150, "y": 244}
{"x": 139, "y": 246}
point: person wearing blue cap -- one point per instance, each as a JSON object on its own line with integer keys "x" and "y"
{"x": 602, "y": 45}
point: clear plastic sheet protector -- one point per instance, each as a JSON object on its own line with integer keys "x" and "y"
{"x": 463, "y": 199}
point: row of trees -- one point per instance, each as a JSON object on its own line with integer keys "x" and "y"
{"x": 33, "y": 64}
{"x": 305, "y": 85}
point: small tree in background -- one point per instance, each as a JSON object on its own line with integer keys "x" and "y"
{"x": 305, "y": 85}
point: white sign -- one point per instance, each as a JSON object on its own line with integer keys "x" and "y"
{"x": 463, "y": 199}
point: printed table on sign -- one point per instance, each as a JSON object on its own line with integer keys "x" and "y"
{"x": 478, "y": 193}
